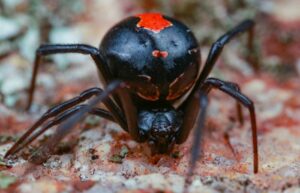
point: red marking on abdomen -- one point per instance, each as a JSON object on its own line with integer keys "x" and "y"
{"x": 158, "y": 54}
{"x": 153, "y": 22}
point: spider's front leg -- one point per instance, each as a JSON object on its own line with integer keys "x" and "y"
{"x": 55, "y": 121}
{"x": 64, "y": 110}
{"x": 47, "y": 148}
{"x": 194, "y": 116}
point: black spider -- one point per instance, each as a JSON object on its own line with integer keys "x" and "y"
{"x": 155, "y": 91}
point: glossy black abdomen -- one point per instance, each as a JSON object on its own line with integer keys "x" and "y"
{"x": 157, "y": 55}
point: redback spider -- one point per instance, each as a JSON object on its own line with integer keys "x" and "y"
{"x": 155, "y": 91}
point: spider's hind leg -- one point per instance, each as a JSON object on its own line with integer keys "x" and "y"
{"x": 217, "y": 47}
{"x": 236, "y": 88}
{"x": 45, "y": 50}
{"x": 230, "y": 89}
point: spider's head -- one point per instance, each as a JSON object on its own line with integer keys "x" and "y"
{"x": 160, "y": 127}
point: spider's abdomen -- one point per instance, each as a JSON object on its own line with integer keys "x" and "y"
{"x": 157, "y": 55}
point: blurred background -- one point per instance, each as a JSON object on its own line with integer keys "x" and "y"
{"x": 25, "y": 24}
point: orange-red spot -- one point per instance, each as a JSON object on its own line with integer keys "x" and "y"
{"x": 159, "y": 54}
{"x": 153, "y": 22}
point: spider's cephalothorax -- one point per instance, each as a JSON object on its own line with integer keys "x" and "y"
{"x": 160, "y": 128}
{"x": 155, "y": 91}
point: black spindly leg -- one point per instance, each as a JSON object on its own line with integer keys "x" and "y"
{"x": 217, "y": 47}
{"x": 130, "y": 112}
{"x": 56, "y": 110}
{"x": 198, "y": 132}
{"x": 57, "y": 120}
{"x": 44, "y": 50}
{"x": 194, "y": 115}
{"x": 230, "y": 90}
{"x": 47, "y": 149}
{"x": 239, "y": 113}
{"x": 191, "y": 109}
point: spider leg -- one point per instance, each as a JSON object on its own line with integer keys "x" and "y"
{"x": 103, "y": 113}
{"x": 44, "y": 50}
{"x": 130, "y": 112}
{"x": 46, "y": 149}
{"x": 195, "y": 114}
{"x": 239, "y": 112}
{"x": 54, "y": 111}
{"x": 237, "y": 88}
{"x": 217, "y": 47}
{"x": 57, "y": 120}
{"x": 214, "y": 53}
{"x": 193, "y": 111}
{"x": 230, "y": 90}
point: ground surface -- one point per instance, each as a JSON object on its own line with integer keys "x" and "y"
{"x": 99, "y": 157}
